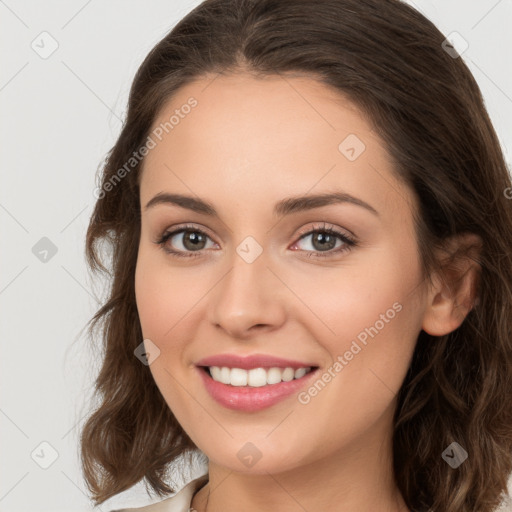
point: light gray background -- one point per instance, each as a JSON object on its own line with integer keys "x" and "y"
{"x": 60, "y": 115}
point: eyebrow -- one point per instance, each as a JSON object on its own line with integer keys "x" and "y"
{"x": 283, "y": 207}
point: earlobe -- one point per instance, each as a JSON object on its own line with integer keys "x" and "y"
{"x": 455, "y": 285}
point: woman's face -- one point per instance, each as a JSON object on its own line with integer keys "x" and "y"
{"x": 254, "y": 277}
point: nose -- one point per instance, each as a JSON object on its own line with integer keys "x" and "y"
{"x": 248, "y": 299}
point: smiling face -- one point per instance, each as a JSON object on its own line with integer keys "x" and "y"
{"x": 258, "y": 273}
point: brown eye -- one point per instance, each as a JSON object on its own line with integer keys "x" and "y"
{"x": 184, "y": 241}
{"x": 192, "y": 240}
{"x": 325, "y": 240}
{"x": 322, "y": 241}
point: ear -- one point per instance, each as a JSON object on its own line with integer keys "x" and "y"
{"x": 455, "y": 286}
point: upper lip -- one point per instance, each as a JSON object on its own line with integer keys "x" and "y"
{"x": 252, "y": 361}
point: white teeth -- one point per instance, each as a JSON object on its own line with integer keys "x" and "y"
{"x": 300, "y": 373}
{"x": 273, "y": 375}
{"x": 224, "y": 375}
{"x": 256, "y": 377}
{"x": 238, "y": 377}
{"x": 288, "y": 374}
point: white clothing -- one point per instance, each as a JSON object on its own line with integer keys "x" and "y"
{"x": 179, "y": 502}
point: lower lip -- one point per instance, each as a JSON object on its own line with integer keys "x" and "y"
{"x": 252, "y": 398}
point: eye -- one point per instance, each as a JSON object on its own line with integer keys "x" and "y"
{"x": 188, "y": 239}
{"x": 324, "y": 239}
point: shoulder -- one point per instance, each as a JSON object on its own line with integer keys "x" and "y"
{"x": 179, "y": 502}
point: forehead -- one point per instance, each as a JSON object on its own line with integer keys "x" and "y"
{"x": 289, "y": 108}
{"x": 266, "y": 137}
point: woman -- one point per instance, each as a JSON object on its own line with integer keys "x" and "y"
{"x": 310, "y": 228}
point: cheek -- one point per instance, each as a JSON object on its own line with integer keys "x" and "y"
{"x": 165, "y": 299}
{"x": 165, "y": 295}
{"x": 151, "y": 299}
{"x": 369, "y": 315}
{"x": 353, "y": 297}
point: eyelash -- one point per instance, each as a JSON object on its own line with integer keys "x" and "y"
{"x": 349, "y": 241}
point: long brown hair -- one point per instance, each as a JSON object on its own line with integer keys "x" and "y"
{"x": 423, "y": 101}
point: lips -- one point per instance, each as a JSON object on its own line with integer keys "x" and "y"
{"x": 253, "y": 361}
{"x": 252, "y": 399}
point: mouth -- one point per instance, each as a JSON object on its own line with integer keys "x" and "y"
{"x": 256, "y": 377}
{"x": 255, "y": 389}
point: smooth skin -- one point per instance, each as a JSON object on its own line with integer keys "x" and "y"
{"x": 248, "y": 144}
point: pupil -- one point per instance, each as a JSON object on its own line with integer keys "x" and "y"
{"x": 192, "y": 238}
{"x": 324, "y": 239}
{"x": 321, "y": 240}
